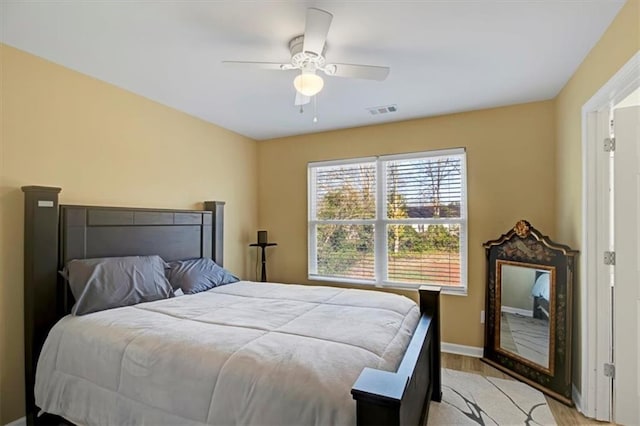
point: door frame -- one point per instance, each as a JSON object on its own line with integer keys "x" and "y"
{"x": 594, "y": 385}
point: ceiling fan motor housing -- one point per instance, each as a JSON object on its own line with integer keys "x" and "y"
{"x": 305, "y": 60}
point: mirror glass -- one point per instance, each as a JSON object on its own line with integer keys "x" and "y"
{"x": 526, "y": 311}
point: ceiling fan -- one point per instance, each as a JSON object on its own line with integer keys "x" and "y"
{"x": 307, "y": 55}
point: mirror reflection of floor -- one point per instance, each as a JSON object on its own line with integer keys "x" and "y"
{"x": 525, "y": 336}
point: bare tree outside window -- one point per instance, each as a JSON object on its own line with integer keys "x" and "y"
{"x": 436, "y": 177}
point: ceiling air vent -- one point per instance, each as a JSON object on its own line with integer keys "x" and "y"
{"x": 382, "y": 109}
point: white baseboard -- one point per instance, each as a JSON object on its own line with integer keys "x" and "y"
{"x": 577, "y": 398}
{"x": 454, "y": 348}
{"x": 22, "y": 421}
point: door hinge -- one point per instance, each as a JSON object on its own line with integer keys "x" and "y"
{"x": 610, "y": 144}
{"x": 609, "y": 257}
{"x": 610, "y": 370}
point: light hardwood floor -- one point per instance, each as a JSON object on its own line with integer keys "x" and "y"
{"x": 564, "y": 415}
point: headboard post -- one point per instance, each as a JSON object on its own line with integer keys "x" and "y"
{"x": 40, "y": 278}
{"x": 217, "y": 208}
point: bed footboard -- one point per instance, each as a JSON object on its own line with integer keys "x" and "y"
{"x": 403, "y": 397}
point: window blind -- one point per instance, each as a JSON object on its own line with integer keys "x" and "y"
{"x": 344, "y": 206}
{"x": 392, "y": 220}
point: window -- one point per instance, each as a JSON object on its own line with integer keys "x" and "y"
{"x": 398, "y": 220}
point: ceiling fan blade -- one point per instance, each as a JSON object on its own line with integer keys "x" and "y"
{"x": 368, "y": 72}
{"x": 316, "y": 30}
{"x": 301, "y": 99}
{"x": 260, "y": 65}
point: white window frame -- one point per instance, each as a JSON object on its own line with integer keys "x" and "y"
{"x": 380, "y": 221}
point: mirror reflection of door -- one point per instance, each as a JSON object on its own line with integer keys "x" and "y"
{"x": 526, "y": 312}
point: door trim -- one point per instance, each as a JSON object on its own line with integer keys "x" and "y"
{"x": 625, "y": 81}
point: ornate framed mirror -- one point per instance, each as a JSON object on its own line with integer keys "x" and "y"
{"x": 528, "y": 305}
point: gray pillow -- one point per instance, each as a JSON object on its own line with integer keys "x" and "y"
{"x": 111, "y": 282}
{"x": 196, "y": 275}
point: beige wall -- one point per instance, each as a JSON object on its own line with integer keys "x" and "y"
{"x": 511, "y": 175}
{"x": 105, "y": 146}
{"x": 619, "y": 43}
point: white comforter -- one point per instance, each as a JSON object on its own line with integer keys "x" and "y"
{"x": 240, "y": 354}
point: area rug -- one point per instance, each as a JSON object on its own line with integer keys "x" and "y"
{"x": 472, "y": 399}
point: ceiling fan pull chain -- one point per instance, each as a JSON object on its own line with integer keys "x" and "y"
{"x": 315, "y": 109}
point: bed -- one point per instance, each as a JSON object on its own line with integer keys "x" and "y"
{"x": 243, "y": 353}
{"x": 541, "y": 295}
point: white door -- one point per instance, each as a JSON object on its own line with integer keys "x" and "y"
{"x": 626, "y": 301}
{"x": 602, "y": 308}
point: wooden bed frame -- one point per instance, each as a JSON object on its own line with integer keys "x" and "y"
{"x": 56, "y": 234}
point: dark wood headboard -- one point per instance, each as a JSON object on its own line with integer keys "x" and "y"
{"x": 54, "y": 234}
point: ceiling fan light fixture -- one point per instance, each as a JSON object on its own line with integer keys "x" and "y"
{"x": 308, "y": 83}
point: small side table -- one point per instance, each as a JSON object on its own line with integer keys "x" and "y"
{"x": 264, "y": 258}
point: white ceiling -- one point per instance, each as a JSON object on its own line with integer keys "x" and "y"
{"x": 445, "y": 56}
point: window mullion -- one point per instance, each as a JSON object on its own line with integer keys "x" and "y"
{"x": 412, "y": 221}
{"x": 343, "y": 222}
{"x": 380, "y": 232}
